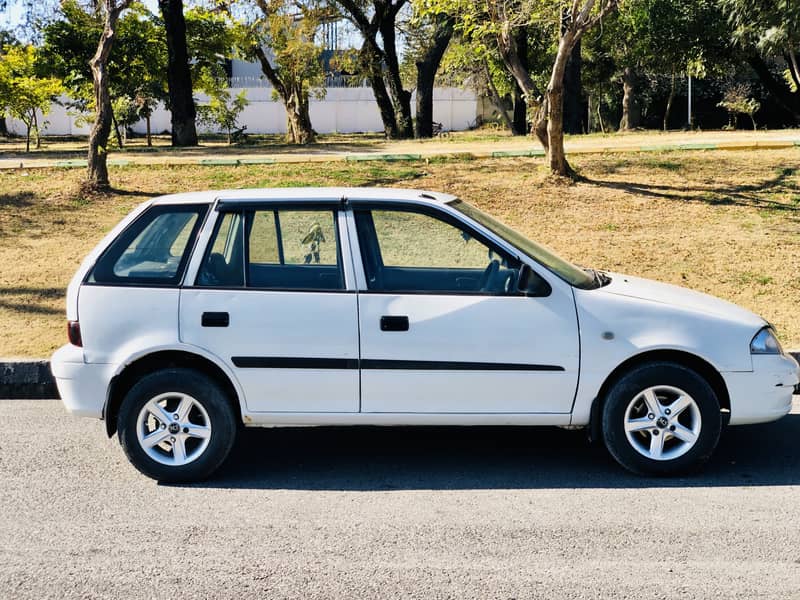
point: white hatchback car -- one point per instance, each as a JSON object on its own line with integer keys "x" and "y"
{"x": 201, "y": 312}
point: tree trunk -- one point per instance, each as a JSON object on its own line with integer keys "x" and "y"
{"x": 374, "y": 66}
{"x": 295, "y": 101}
{"x": 427, "y": 66}
{"x": 149, "y": 138}
{"x": 574, "y": 108}
{"x": 783, "y": 96}
{"x": 794, "y": 68}
{"x": 509, "y": 50}
{"x": 117, "y": 133}
{"x": 179, "y": 77}
{"x": 670, "y": 100}
{"x": 519, "y": 125}
{"x": 550, "y": 122}
{"x": 3, "y": 125}
{"x": 97, "y": 170}
{"x": 401, "y": 98}
{"x": 28, "y": 125}
{"x": 298, "y": 120}
{"x": 36, "y": 130}
{"x": 496, "y": 99}
{"x": 631, "y": 110}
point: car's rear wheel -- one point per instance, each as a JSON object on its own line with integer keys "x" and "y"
{"x": 661, "y": 418}
{"x": 177, "y": 425}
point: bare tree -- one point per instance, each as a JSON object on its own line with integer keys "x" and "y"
{"x": 97, "y": 172}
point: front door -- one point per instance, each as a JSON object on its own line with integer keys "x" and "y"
{"x": 270, "y": 300}
{"x": 444, "y": 328}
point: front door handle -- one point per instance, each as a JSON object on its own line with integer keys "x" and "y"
{"x": 215, "y": 319}
{"x": 389, "y": 323}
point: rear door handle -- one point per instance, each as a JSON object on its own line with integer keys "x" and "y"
{"x": 389, "y": 323}
{"x": 215, "y": 319}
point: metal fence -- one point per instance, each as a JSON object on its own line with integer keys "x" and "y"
{"x": 331, "y": 81}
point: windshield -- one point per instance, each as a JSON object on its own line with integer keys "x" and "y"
{"x": 546, "y": 257}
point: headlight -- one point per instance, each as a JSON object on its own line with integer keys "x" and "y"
{"x": 765, "y": 342}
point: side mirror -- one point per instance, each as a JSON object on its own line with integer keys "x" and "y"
{"x": 524, "y": 279}
{"x": 530, "y": 283}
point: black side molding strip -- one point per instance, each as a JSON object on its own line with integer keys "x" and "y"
{"x": 444, "y": 365}
{"x": 267, "y": 362}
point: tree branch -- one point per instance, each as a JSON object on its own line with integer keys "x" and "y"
{"x": 271, "y": 74}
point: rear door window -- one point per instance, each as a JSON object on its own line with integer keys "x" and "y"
{"x": 276, "y": 249}
{"x": 153, "y": 250}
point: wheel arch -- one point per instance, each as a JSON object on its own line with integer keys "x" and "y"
{"x": 124, "y": 380}
{"x": 701, "y": 366}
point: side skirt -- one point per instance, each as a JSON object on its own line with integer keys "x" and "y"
{"x": 320, "y": 419}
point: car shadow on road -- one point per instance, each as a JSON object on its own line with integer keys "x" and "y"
{"x": 457, "y": 458}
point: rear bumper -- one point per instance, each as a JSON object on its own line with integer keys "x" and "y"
{"x": 82, "y": 386}
{"x": 765, "y": 394}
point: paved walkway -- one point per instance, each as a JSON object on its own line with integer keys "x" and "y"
{"x": 419, "y": 150}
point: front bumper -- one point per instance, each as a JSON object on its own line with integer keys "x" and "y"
{"x": 765, "y": 394}
{"x": 82, "y": 386}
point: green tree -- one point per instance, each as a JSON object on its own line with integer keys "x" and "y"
{"x": 667, "y": 37}
{"x": 476, "y": 64}
{"x": 211, "y": 37}
{"x": 24, "y": 93}
{"x": 567, "y": 22}
{"x": 769, "y": 29}
{"x": 737, "y": 100}
{"x": 6, "y": 39}
{"x": 287, "y": 31}
{"x": 135, "y": 65}
{"x": 223, "y": 111}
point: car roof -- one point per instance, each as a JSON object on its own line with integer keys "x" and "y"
{"x": 306, "y": 193}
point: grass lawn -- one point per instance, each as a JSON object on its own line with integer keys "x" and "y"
{"x": 487, "y": 138}
{"x": 726, "y": 223}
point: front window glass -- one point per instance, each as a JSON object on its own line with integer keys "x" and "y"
{"x": 541, "y": 254}
{"x": 408, "y": 239}
{"x": 408, "y": 251}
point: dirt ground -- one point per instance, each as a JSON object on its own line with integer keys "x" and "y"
{"x": 726, "y": 223}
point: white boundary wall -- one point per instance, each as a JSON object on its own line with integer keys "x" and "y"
{"x": 343, "y": 110}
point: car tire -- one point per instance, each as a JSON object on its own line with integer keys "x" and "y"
{"x": 661, "y": 418}
{"x": 177, "y": 425}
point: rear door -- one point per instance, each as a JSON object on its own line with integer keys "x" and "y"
{"x": 444, "y": 328}
{"x": 271, "y": 299}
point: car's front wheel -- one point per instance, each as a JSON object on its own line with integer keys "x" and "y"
{"x": 177, "y": 425}
{"x": 661, "y": 418}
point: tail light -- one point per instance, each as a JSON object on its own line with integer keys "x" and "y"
{"x": 74, "y": 333}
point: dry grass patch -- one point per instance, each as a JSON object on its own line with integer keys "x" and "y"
{"x": 727, "y": 223}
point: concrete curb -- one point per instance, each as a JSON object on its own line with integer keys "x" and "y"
{"x": 450, "y": 154}
{"x": 32, "y": 379}
{"x": 24, "y": 379}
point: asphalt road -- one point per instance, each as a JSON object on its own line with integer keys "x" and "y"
{"x": 387, "y": 513}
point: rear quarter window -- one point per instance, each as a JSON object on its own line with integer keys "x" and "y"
{"x": 153, "y": 250}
